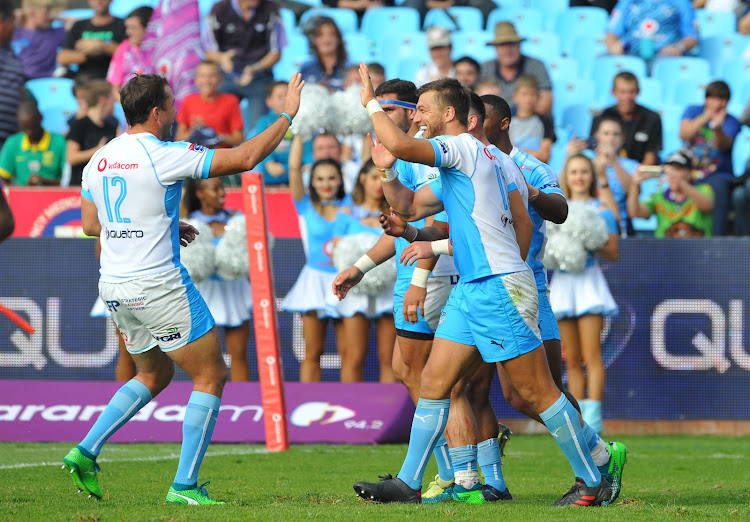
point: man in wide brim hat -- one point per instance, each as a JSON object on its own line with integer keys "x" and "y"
{"x": 510, "y": 64}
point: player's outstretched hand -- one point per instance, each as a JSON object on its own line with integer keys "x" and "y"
{"x": 346, "y": 280}
{"x": 187, "y": 233}
{"x": 381, "y": 157}
{"x": 366, "y": 93}
{"x": 416, "y": 251}
{"x": 293, "y": 91}
{"x": 413, "y": 301}
{"x": 392, "y": 224}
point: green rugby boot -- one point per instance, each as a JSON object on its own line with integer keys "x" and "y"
{"x": 192, "y": 497}
{"x": 468, "y": 496}
{"x": 618, "y": 456}
{"x": 83, "y": 471}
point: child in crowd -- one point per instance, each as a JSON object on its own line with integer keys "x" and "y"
{"x": 529, "y": 131}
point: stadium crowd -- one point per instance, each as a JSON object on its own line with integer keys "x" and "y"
{"x": 629, "y": 85}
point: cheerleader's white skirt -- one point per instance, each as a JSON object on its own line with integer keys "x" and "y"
{"x": 581, "y": 293}
{"x": 230, "y": 302}
{"x": 354, "y": 303}
{"x": 310, "y": 293}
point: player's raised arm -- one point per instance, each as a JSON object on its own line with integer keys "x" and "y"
{"x": 249, "y": 154}
{"x": 400, "y": 144}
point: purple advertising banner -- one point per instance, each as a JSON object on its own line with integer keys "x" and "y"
{"x": 336, "y": 413}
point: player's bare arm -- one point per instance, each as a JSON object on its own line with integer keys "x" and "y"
{"x": 521, "y": 222}
{"x": 550, "y": 206}
{"x": 90, "y": 218}
{"x": 249, "y": 154}
{"x": 380, "y": 252}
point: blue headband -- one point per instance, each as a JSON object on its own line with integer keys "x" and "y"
{"x": 407, "y": 105}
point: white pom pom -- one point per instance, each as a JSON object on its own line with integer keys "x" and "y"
{"x": 231, "y": 252}
{"x": 314, "y": 112}
{"x": 349, "y": 117}
{"x": 349, "y": 249}
{"x": 586, "y": 225}
{"x": 198, "y": 257}
{"x": 564, "y": 253}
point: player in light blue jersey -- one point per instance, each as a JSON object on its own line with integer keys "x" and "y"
{"x": 492, "y": 312}
{"x": 130, "y": 197}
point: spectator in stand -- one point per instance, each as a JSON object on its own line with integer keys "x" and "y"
{"x": 510, "y": 64}
{"x": 529, "y": 131}
{"x": 641, "y": 126}
{"x": 128, "y": 59}
{"x": 93, "y": 131}
{"x": 439, "y": 44}
{"x": 12, "y": 78}
{"x": 324, "y": 146}
{"x": 80, "y": 84}
{"x": 467, "y": 71}
{"x": 36, "y": 42}
{"x": 91, "y": 43}
{"x": 682, "y": 209}
{"x": 33, "y": 156}
{"x": 359, "y": 6}
{"x": 209, "y": 117}
{"x": 377, "y": 74}
{"x": 7, "y": 223}
{"x": 329, "y": 62}
{"x": 652, "y": 29}
{"x": 487, "y": 86}
{"x": 709, "y": 132}
{"x": 246, "y": 39}
{"x": 612, "y": 168}
{"x": 275, "y": 167}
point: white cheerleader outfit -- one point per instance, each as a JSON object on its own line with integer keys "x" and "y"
{"x": 370, "y": 306}
{"x": 315, "y": 281}
{"x": 230, "y": 302}
{"x": 574, "y": 294}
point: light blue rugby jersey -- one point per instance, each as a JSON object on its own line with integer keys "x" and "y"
{"x": 542, "y": 177}
{"x": 474, "y": 190}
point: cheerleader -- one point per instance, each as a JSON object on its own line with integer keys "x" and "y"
{"x": 230, "y": 302}
{"x": 319, "y": 215}
{"x": 357, "y": 310}
{"x": 581, "y": 300}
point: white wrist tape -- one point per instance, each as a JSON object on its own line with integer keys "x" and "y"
{"x": 365, "y": 264}
{"x": 373, "y": 106}
{"x": 419, "y": 277}
{"x": 441, "y": 247}
{"x": 387, "y": 175}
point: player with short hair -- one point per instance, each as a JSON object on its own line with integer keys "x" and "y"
{"x": 130, "y": 197}
{"x": 492, "y": 312}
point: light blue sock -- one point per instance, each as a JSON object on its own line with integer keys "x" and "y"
{"x": 427, "y": 427}
{"x": 597, "y": 448}
{"x": 488, "y": 457}
{"x": 124, "y": 404}
{"x": 562, "y": 421}
{"x": 442, "y": 456}
{"x": 464, "y": 458}
{"x": 197, "y": 428}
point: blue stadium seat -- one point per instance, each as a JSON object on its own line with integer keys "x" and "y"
{"x": 359, "y": 48}
{"x": 715, "y": 23}
{"x": 562, "y": 70}
{"x": 288, "y": 65}
{"x": 671, "y": 115}
{"x": 204, "y": 6}
{"x": 571, "y": 92}
{"x": 289, "y": 19}
{"x": 53, "y": 92}
{"x": 605, "y": 68}
{"x": 77, "y": 14}
{"x": 544, "y": 46}
{"x": 458, "y": 18}
{"x": 741, "y": 152}
{"x": 346, "y": 19}
{"x": 674, "y": 72}
{"x": 577, "y": 118}
{"x": 720, "y": 50}
{"x": 689, "y": 92}
{"x": 312, "y": 3}
{"x": 380, "y": 21}
{"x": 650, "y": 95}
{"x": 585, "y": 50}
{"x": 736, "y": 74}
{"x": 119, "y": 114}
{"x": 473, "y": 44}
{"x": 550, "y": 8}
{"x": 297, "y": 45}
{"x": 526, "y": 21}
{"x": 122, "y": 8}
{"x": 392, "y": 49}
{"x": 580, "y": 21}
{"x": 55, "y": 118}
{"x": 407, "y": 68}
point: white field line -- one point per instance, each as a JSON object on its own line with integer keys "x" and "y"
{"x": 170, "y": 456}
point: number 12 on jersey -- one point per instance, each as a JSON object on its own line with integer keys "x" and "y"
{"x": 117, "y": 180}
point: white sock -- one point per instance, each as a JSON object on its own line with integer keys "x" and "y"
{"x": 467, "y": 478}
{"x": 600, "y": 453}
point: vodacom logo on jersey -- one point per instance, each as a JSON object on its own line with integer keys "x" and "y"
{"x": 490, "y": 155}
{"x": 104, "y": 165}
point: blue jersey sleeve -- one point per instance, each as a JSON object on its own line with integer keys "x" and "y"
{"x": 616, "y": 23}
{"x": 437, "y": 188}
{"x": 687, "y": 20}
{"x": 442, "y": 217}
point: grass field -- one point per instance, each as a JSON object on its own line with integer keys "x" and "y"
{"x": 666, "y": 478}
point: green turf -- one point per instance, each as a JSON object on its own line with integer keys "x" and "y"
{"x": 666, "y": 478}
